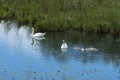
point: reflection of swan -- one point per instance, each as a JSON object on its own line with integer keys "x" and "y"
{"x": 64, "y": 45}
{"x": 37, "y": 38}
{"x": 63, "y": 50}
{"x": 37, "y": 34}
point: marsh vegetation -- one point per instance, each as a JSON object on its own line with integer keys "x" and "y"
{"x": 99, "y": 16}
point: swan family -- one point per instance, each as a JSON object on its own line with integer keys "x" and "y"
{"x": 64, "y": 45}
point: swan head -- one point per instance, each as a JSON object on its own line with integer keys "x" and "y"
{"x": 63, "y": 41}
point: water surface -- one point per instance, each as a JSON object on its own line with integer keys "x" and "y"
{"x": 25, "y": 58}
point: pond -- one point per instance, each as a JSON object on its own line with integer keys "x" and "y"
{"x": 25, "y": 58}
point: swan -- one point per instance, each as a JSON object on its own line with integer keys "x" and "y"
{"x": 37, "y": 34}
{"x": 91, "y": 49}
{"x": 64, "y": 45}
{"x": 78, "y": 48}
{"x": 86, "y": 49}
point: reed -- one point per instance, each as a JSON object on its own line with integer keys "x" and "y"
{"x": 99, "y": 16}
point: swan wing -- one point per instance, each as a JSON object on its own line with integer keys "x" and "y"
{"x": 39, "y": 34}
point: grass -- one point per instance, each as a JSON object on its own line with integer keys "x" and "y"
{"x": 99, "y": 16}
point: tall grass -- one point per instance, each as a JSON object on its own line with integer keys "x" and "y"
{"x": 88, "y": 15}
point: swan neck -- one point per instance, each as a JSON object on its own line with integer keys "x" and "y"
{"x": 33, "y": 31}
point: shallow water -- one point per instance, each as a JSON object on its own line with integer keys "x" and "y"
{"x": 24, "y": 58}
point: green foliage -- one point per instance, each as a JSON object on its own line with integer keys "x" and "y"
{"x": 54, "y": 15}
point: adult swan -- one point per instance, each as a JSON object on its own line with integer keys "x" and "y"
{"x": 64, "y": 45}
{"x": 37, "y": 34}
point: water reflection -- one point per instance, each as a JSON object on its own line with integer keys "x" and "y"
{"x": 44, "y": 54}
{"x": 63, "y": 50}
{"x": 36, "y": 39}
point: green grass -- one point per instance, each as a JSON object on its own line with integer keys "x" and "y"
{"x": 99, "y": 16}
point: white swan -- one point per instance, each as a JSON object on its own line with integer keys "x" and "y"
{"x": 64, "y": 45}
{"x": 37, "y": 34}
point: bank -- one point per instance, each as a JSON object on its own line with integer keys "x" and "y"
{"x": 98, "y": 16}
